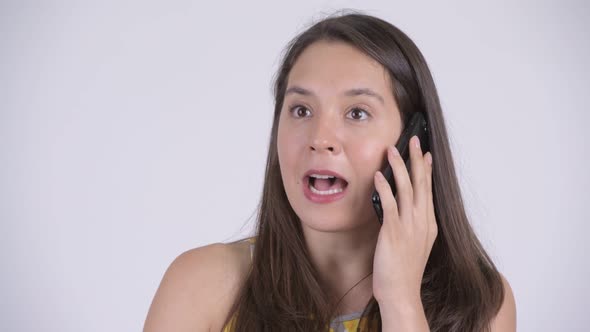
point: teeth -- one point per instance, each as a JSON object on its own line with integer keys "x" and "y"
{"x": 327, "y": 192}
{"x": 317, "y": 176}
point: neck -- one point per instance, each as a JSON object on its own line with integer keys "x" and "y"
{"x": 343, "y": 259}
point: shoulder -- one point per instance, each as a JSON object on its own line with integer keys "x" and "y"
{"x": 198, "y": 288}
{"x": 505, "y": 320}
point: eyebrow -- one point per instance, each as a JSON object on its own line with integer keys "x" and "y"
{"x": 352, "y": 92}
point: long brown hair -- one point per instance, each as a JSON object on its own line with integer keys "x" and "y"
{"x": 461, "y": 287}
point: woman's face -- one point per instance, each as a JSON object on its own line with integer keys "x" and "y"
{"x": 338, "y": 115}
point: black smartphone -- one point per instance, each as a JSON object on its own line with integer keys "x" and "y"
{"x": 415, "y": 126}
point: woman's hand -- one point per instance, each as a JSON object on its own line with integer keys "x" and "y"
{"x": 408, "y": 231}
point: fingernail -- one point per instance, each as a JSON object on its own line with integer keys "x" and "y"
{"x": 417, "y": 142}
{"x": 379, "y": 176}
{"x": 429, "y": 159}
{"x": 394, "y": 151}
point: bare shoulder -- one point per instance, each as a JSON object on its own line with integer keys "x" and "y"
{"x": 505, "y": 320}
{"x": 198, "y": 288}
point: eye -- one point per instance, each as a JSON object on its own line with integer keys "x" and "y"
{"x": 357, "y": 113}
{"x": 299, "y": 111}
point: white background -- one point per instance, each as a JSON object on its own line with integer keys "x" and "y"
{"x": 133, "y": 131}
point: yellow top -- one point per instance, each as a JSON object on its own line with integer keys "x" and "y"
{"x": 343, "y": 323}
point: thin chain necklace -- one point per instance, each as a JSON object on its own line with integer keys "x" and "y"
{"x": 365, "y": 277}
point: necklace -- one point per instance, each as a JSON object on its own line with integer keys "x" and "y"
{"x": 365, "y": 277}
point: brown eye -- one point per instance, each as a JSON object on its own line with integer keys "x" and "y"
{"x": 299, "y": 111}
{"x": 358, "y": 113}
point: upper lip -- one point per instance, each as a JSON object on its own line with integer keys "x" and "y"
{"x": 323, "y": 172}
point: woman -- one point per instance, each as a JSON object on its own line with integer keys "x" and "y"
{"x": 320, "y": 258}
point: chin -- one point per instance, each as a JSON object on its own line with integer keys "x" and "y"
{"x": 330, "y": 223}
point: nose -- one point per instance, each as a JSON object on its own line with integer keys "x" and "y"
{"x": 324, "y": 139}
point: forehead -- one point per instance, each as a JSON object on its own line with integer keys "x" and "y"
{"x": 328, "y": 66}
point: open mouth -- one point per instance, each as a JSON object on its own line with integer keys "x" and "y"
{"x": 326, "y": 184}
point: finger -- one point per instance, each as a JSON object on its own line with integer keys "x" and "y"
{"x": 418, "y": 173}
{"x": 402, "y": 183}
{"x": 433, "y": 226}
{"x": 388, "y": 203}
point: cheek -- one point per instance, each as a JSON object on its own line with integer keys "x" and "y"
{"x": 288, "y": 148}
{"x": 282, "y": 141}
{"x": 368, "y": 156}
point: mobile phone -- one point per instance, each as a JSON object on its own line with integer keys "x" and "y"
{"x": 415, "y": 126}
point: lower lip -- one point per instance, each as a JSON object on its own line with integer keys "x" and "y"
{"x": 316, "y": 198}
